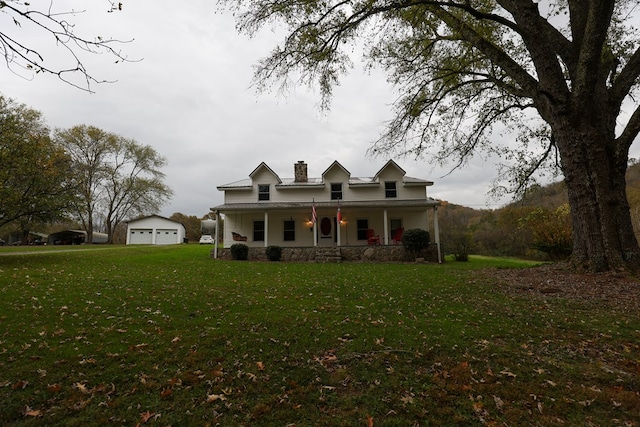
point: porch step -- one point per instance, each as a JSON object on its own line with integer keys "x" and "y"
{"x": 328, "y": 255}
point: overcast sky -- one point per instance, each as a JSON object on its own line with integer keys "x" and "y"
{"x": 190, "y": 97}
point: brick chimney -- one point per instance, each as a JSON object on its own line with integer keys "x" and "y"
{"x": 300, "y": 171}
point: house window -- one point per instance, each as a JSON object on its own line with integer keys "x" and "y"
{"x": 258, "y": 231}
{"x": 363, "y": 226}
{"x": 289, "y": 231}
{"x": 336, "y": 191}
{"x": 390, "y": 190}
{"x": 263, "y": 192}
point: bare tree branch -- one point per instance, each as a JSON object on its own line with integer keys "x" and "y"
{"x": 21, "y": 57}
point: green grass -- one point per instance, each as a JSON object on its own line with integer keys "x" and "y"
{"x": 166, "y": 336}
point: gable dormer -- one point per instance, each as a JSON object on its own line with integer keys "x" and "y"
{"x": 390, "y": 170}
{"x": 336, "y": 172}
{"x": 264, "y": 173}
{"x": 336, "y": 177}
{"x": 263, "y": 180}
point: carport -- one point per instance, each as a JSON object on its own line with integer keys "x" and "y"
{"x": 75, "y": 237}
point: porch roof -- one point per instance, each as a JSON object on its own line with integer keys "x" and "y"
{"x": 261, "y": 206}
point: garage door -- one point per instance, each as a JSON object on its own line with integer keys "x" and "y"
{"x": 140, "y": 236}
{"x": 166, "y": 237}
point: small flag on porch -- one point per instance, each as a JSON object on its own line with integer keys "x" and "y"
{"x": 314, "y": 215}
{"x": 339, "y": 216}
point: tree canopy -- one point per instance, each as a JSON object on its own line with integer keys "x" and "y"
{"x": 554, "y": 80}
{"x": 117, "y": 177}
{"x": 36, "y": 183}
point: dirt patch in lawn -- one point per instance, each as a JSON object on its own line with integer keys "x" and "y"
{"x": 618, "y": 290}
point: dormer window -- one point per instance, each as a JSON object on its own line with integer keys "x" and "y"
{"x": 336, "y": 191}
{"x": 390, "y": 190}
{"x": 263, "y": 192}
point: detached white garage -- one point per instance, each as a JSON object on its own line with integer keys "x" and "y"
{"x": 155, "y": 230}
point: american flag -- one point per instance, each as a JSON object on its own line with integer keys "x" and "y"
{"x": 314, "y": 215}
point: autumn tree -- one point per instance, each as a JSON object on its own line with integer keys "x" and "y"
{"x": 192, "y": 225}
{"x": 551, "y": 231}
{"x": 29, "y": 33}
{"x": 36, "y": 183}
{"x": 134, "y": 184}
{"x": 557, "y": 78}
{"x": 117, "y": 177}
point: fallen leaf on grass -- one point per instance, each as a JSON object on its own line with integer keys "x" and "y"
{"x": 28, "y": 412}
{"x": 138, "y": 347}
{"x": 20, "y": 385}
{"x": 54, "y": 388}
{"x": 586, "y": 402}
{"x": 166, "y": 392}
{"x": 146, "y": 416}
{"x": 214, "y": 397}
{"x": 406, "y": 399}
{"x": 508, "y": 373}
{"x": 81, "y": 387}
{"x": 175, "y": 381}
{"x": 499, "y": 402}
{"x": 260, "y": 366}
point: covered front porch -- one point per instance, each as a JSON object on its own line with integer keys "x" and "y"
{"x": 327, "y": 224}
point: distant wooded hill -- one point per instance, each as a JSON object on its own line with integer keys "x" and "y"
{"x": 518, "y": 228}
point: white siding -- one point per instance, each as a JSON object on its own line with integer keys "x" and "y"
{"x": 154, "y": 230}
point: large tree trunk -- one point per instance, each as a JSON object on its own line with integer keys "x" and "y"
{"x": 594, "y": 168}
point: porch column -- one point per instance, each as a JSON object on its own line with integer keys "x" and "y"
{"x": 338, "y": 227}
{"x": 436, "y": 230}
{"x": 385, "y": 228}
{"x": 315, "y": 234}
{"x": 266, "y": 229}
{"x": 215, "y": 238}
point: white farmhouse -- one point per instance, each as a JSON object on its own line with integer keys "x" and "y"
{"x": 335, "y": 209}
{"x": 155, "y": 230}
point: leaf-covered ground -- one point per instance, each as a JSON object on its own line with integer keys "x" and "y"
{"x": 618, "y": 291}
{"x": 166, "y": 336}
